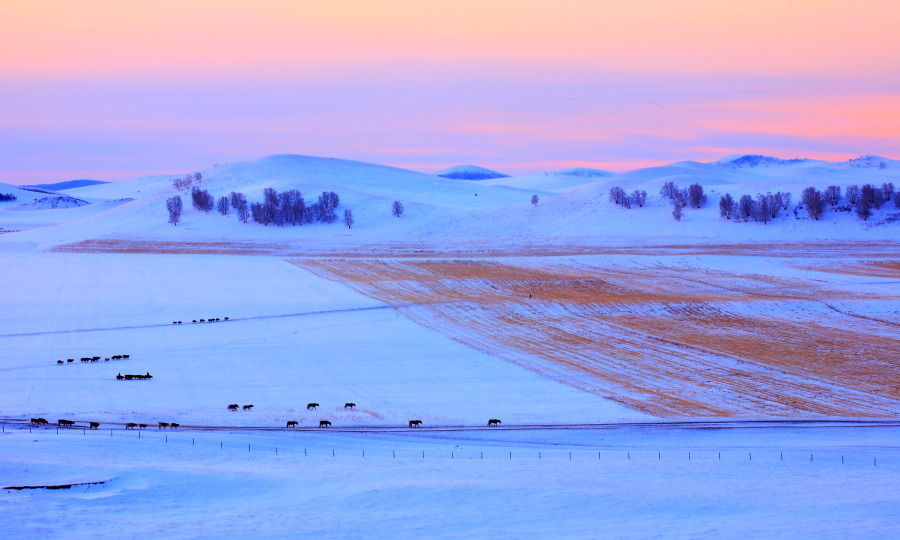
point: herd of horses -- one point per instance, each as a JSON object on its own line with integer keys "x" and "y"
{"x": 121, "y": 377}
{"x": 86, "y": 359}
{"x": 211, "y": 319}
{"x": 61, "y": 423}
{"x": 172, "y": 425}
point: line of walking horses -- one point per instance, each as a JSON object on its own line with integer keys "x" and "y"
{"x": 211, "y": 319}
{"x": 96, "y": 425}
{"x": 86, "y": 359}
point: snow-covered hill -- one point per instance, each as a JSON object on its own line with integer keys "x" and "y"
{"x": 573, "y": 208}
{"x": 469, "y": 172}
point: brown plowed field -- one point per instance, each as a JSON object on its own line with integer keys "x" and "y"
{"x": 670, "y": 341}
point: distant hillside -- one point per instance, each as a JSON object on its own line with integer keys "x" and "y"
{"x": 757, "y": 161}
{"x": 470, "y": 172}
{"x": 584, "y": 172}
{"x": 69, "y": 184}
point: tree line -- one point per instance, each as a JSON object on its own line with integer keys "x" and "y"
{"x": 7, "y": 197}
{"x": 764, "y": 208}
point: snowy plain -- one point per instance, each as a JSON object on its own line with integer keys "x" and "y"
{"x": 564, "y": 463}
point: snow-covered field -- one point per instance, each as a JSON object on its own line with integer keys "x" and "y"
{"x": 461, "y": 310}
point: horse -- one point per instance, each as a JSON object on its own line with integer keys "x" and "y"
{"x": 60, "y": 362}
{"x": 415, "y": 423}
{"x": 233, "y": 407}
{"x": 248, "y": 407}
{"x": 163, "y": 425}
{"x": 494, "y": 422}
{"x": 120, "y": 377}
{"x": 324, "y": 423}
{"x": 311, "y": 406}
{"x": 39, "y": 421}
{"x": 349, "y": 405}
{"x": 226, "y": 318}
{"x": 130, "y": 425}
{"x": 95, "y": 425}
{"x": 70, "y": 360}
{"x": 142, "y": 426}
{"x": 65, "y": 423}
{"x": 173, "y": 425}
{"x": 292, "y": 423}
{"x": 85, "y": 360}
{"x": 126, "y": 356}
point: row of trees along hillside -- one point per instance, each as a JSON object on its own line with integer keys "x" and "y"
{"x": 861, "y": 200}
{"x": 285, "y": 208}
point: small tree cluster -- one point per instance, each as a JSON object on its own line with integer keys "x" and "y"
{"x": 174, "y": 206}
{"x": 397, "y": 208}
{"x": 186, "y": 181}
{"x": 813, "y": 201}
{"x": 201, "y": 199}
{"x": 238, "y": 201}
{"x": 696, "y": 196}
{"x": 7, "y": 197}
{"x": 534, "y": 200}
{"x": 868, "y": 197}
{"x": 618, "y": 196}
{"x": 764, "y": 208}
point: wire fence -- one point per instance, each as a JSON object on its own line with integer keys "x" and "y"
{"x": 189, "y": 441}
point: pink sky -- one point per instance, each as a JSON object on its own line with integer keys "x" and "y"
{"x": 112, "y": 90}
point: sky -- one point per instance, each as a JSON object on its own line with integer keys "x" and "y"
{"x": 111, "y": 90}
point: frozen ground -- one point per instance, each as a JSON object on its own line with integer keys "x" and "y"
{"x": 311, "y": 320}
{"x": 764, "y": 482}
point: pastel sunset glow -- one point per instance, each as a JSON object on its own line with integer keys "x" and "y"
{"x": 112, "y": 90}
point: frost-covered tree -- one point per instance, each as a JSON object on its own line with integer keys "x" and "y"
{"x": 812, "y": 200}
{"x": 397, "y": 208}
{"x": 668, "y": 190}
{"x": 348, "y": 218}
{"x": 223, "y": 205}
{"x": 616, "y": 195}
{"x": 726, "y": 206}
{"x": 676, "y": 210}
{"x": 897, "y": 200}
{"x": 852, "y": 194}
{"x": 639, "y": 197}
{"x": 785, "y": 200}
{"x": 887, "y": 189}
{"x": 696, "y": 196}
{"x": 174, "y": 206}
{"x": 201, "y": 199}
{"x": 763, "y": 208}
{"x": 832, "y": 195}
{"x": 534, "y": 200}
{"x": 746, "y": 207}
{"x": 863, "y": 206}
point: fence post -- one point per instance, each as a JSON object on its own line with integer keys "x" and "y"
{"x": 276, "y": 450}
{"x": 751, "y": 455}
{"x": 629, "y": 455}
{"x": 539, "y": 455}
{"x": 394, "y": 453}
{"x": 570, "y": 455}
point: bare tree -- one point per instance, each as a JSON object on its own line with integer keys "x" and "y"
{"x": 616, "y": 195}
{"x": 812, "y": 200}
{"x": 863, "y": 206}
{"x": 696, "y": 196}
{"x": 746, "y": 207}
{"x": 897, "y": 200}
{"x": 763, "y": 209}
{"x": 785, "y": 200}
{"x": 888, "y": 189}
{"x": 676, "y": 210}
{"x": 397, "y": 207}
{"x": 832, "y": 195}
{"x": 668, "y": 190}
{"x": 534, "y": 200}
{"x": 852, "y": 194}
{"x": 348, "y": 219}
{"x": 639, "y": 197}
{"x": 174, "y": 206}
{"x": 223, "y": 205}
{"x": 726, "y": 206}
